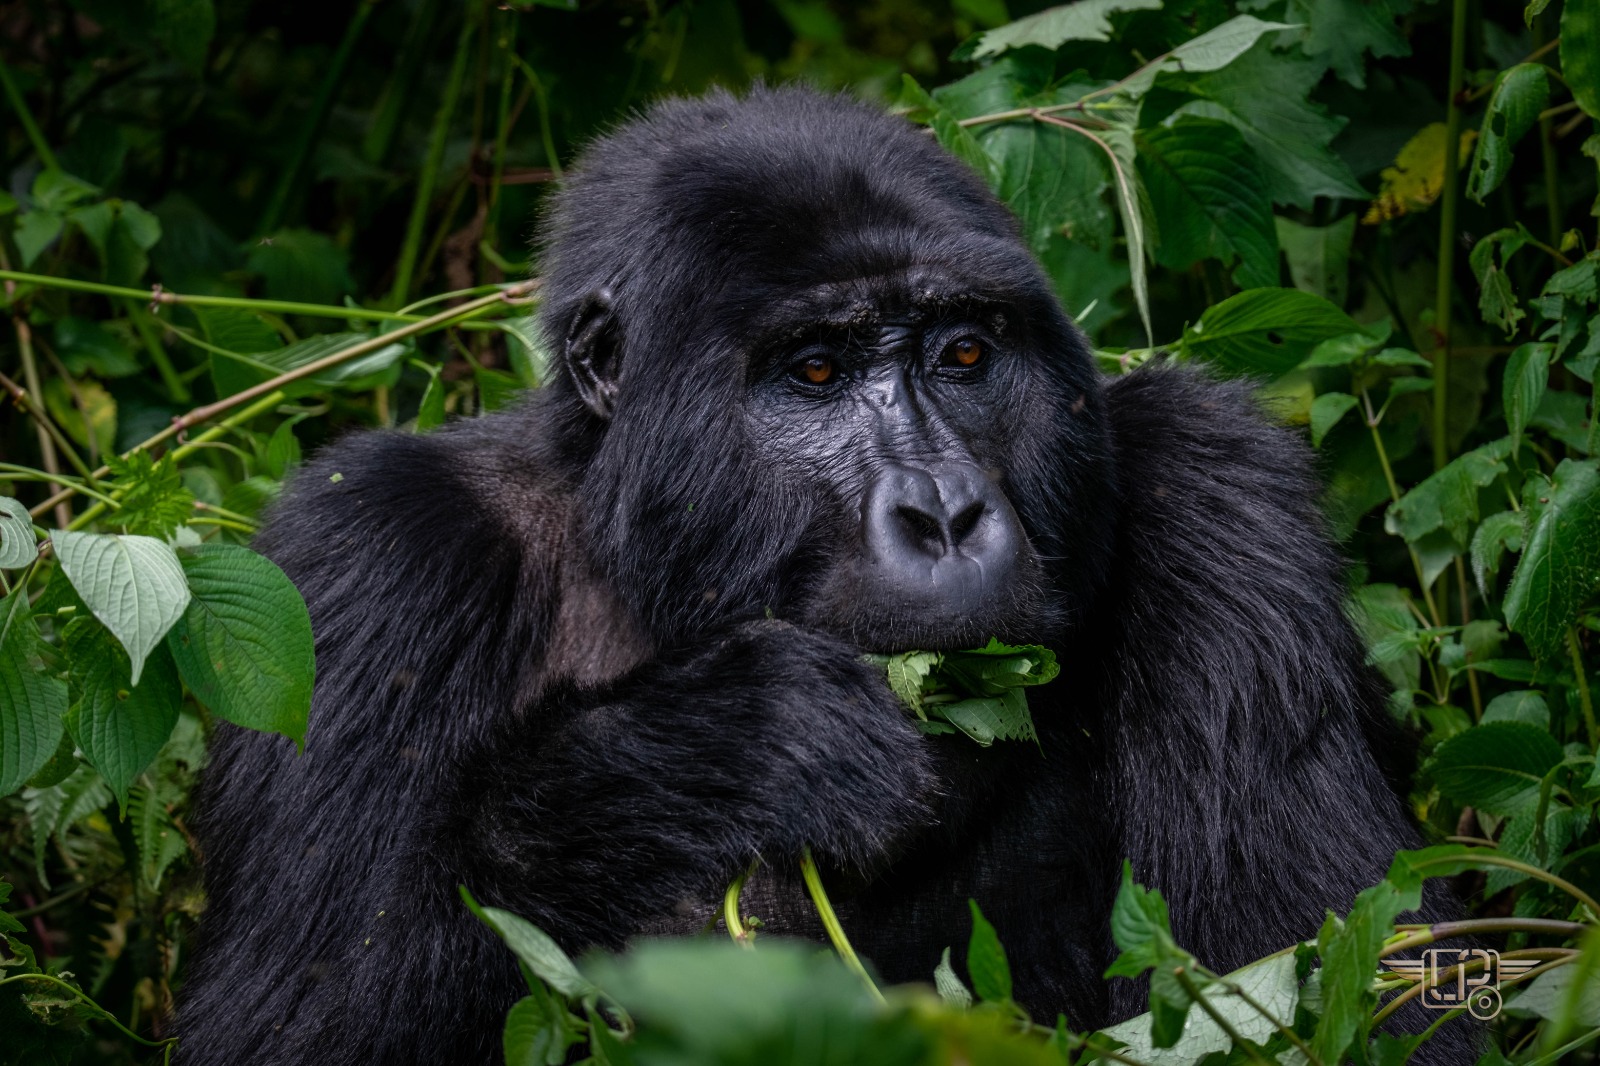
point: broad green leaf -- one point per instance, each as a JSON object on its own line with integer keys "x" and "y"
{"x": 532, "y": 1036}
{"x": 986, "y": 960}
{"x": 299, "y": 264}
{"x": 1209, "y": 199}
{"x": 959, "y": 140}
{"x": 1560, "y": 564}
{"x": 1271, "y": 983}
{"x": 1212, "y": 50}
{"x": 1349, "y": 951}
{"x": 1525, "y": 706}
{"x": 243, "y": 644}
{"x": 237, "y": 330}
{"x": 949, "y": 986}
{"x": 1341, "y": 31}
{"x": 1448, "y": 499}
{"x": 1319, "y": 256}
{"x": 1527, "y": 373}
{"x": 534, "y": 949}
{"x": 1495, "y": 767}
{"x": 430, "y": 412}
{"x": 1569, "y": 992}
{"x": 1326, "y": 411}
{"x": 235, "y": 372}
{"x": 1084, "y": 20}
{"x": 1130, "y": 199}
{"x": 282, "y": 452}
{"x": 1264, "y": 331}
{"x": 1519, "y": 95}
{"x": 1266, "y": 95}
{"x": 1580, "y": 53}
{"x": 1348, "y": 348}
{"x": 32, "y": 702}
{"x": 18, "y": 546}
{"x": 119, "y": 726}
{"x": 134, "y": 585}
{"x": 1495, "y": 534}
{"x": 1140, "y": 927}
{"x": 34, "y": 233}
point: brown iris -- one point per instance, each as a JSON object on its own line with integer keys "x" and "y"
{"x": 818, "y": 370}
{"x": 967, "y": 351}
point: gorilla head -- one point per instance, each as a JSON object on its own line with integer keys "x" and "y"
{"x": 819, "y": 375}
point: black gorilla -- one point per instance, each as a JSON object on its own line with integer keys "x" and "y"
{"x": 593, "y": 655}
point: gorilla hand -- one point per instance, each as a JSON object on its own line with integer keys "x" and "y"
{"x": 621, "y": 801}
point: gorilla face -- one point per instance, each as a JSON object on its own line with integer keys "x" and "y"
{"x": 822, "y": 379}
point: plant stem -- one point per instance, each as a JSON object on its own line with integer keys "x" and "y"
{"x": 158, "y": 354}
{"x": 1394, "y": 496}
{"x": 730, "y": 908}
{"x": 830, "y": 922}
{"x": 81, "y": 997}
{"x": 1234, "y": 988}
{"x": 1447, "y": 234}
{"x": 412, "y": 244}
{"x": 1216, "y": 1016}
{"x": 1585, "y": 700}
{"x": 1467, "y": 967}
{"x": 30, "y": 374}
{"x": 1571, "y": 1045}
{"x": 35, "y": 135}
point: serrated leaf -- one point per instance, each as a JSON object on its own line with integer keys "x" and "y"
{"x": 1520, "y": 93}
{"x": 956, "y": 138}
{"x": 133, "y": 584}
{"x": 1495, "y": 534}
{"x": 1341, "y": 31}
{"x": 1085, "y": 20}
{"x": 986, "y": 960}
{"x": 237, "y": 330}
{"x": 1495, "y": 767}
{"x": 949, "y": 986}
{"x": 1560, "y": 564}
{"x": 1326, "y": 411}
{"x": 1448, "y": 499}
{"x": 1349, "y": 950}
{"x": 243, "y": 645}
{"x": 1319, "y": 256}
{"x": 1212, "y": 50}
{"x": 1209, "y": 198}
{"x": 118, "y": 725}
{"x": 1264, "y": 331}
{"x": 534, "y": 949}
{"x": 1497, "y": 303}
{"x": 1527, "y": 374}
{"x": 1140, "y": 927}
{"x": 32, "y": 702}
{"x": 1526, "y": 706}
{"x": 1272, "y": 983}
{"x": 18, "y": 546}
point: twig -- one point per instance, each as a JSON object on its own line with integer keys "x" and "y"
{"x": 830, "y": 922}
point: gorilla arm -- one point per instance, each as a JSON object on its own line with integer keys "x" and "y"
{"x": 1247, "y": 738}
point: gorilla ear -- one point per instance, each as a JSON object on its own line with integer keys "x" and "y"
{"x": 593, "y": 354}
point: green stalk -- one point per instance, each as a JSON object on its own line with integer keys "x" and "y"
{"x": 158, "y": 355}
{"x": 101, "y": 1012}
{"x": 311, "y": 130}
{"x": 730, "y": 908}
{"x": 397, "y": 94}
{"x": 1216, "y": 1016}
{"x": 1447, "y": 234}
{"x": 435, "y": 159}
{"x": 502, "y": 134}
{"x": 1585, "y": 700}
{"x": 830, "y": 922}
{"x": 41, "y": 147}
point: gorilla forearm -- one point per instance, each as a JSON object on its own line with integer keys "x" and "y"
{"x": 607, "y": 807}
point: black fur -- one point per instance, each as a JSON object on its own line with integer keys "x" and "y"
{"x": 593, "y": 655}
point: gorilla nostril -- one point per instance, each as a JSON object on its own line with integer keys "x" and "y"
{"x": 923, "y": 527}
{"x": 964, "y": 523}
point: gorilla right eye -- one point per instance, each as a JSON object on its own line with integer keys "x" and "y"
{"x": 816, "y": 370}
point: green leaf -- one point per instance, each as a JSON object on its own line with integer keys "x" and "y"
{"x": 534, "y": 949}
{"x": 1527, "y": 374}
{"x": 1448, "y": 499}
{"x": 949, "y": 986}
{"x": 32, "y": 703}
{"x": 18, "y": 546}
{"x": 430, "y": 412}
{"x": 496, "y": 389}
{"x": 118, "y": 725}
{"x": 1526, "y": 706}
{"x": 298, "y": 264}
{"x": 237, "y": 330}
{"x": 1349, "y": 952}
{"x": 1140, "y": 927}
{"x": 1560, "y": 564}
{"x": 133, "y": 584}
{"x": 1085, "y": 20}
{"x": 184, "y": 27}
{"x": 1495, "y": 534}
{"x": 1519, "y": 95}
{"x": 154, "y": 499}
{"x": 1130, "y": 199}
{"x": 1264, "y": 331}
{"x": 532, "y": 1036}
{"x": 986, "y": 960}
{"x": 526, "y": 352}
{"x": 34, "y": 233}
{"x": 1272, "y": 983}
{"x": 1497, "y": 303}
{"x": 1326, "y": 411}
{"x": 1495, "y": 767}
{"x": 1580, "y": 53}
{"x": 243, "y": 645}
{"x": 1209, "y": 199}
{"x": 1266, "y": 95}
{"x": 1570, "y": 992}
{"x": 1319, "y": 256}
{"x": 282, "y": 453}
{"x": 1341, "y": 31}
{"x": 960, "y": 141}
{"x": 159, "y": 842}
{"x": 235, "y": 372}
{"x": 1212, "y": 50}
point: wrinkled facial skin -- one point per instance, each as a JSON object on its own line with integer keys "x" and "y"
{"x": 893, "y": 408}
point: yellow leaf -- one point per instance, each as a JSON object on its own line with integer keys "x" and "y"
{"x": 1417, "y": 177}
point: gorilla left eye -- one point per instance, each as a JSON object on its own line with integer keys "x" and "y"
{"x": 817, "y": 370}
{"x": 968, "y": 351}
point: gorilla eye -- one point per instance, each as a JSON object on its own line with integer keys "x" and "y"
{"x": 818, "y": 369}
{"x": 968, "y": 351}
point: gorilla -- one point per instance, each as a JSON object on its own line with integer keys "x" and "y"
{"x": 593, "y": 655}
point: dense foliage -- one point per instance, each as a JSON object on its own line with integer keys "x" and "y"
{"x": 229, "y": 231}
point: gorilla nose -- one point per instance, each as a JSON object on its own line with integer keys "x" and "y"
{"x": 941, "y": 535}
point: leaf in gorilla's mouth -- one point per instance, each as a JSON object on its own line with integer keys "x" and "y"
{"x": 977, "y": 692}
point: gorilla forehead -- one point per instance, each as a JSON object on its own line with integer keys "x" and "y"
{"x": 702, "y": 202}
